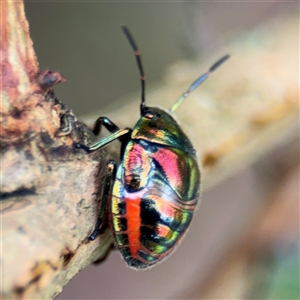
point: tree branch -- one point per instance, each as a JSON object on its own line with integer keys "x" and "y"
{"x": 50, "y": 191}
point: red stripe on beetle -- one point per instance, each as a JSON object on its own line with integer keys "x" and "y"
{"x": 133, "y": 224}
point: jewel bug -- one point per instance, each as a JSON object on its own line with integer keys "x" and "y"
{"x": 156, "y": 186}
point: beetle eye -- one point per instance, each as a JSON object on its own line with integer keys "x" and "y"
{"x": 148, "y": 115}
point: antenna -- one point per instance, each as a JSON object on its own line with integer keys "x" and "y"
{"x": 198, "y": 82}
{"x": 137, "y": 54}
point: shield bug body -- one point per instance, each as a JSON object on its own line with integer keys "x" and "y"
{"x": 157, "y": 184}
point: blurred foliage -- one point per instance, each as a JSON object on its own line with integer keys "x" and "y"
{"x": 276, "y": 274}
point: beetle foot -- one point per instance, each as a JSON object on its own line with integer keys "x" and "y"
{"x": 81, "y": 146}
{"x": 95, "y": 232}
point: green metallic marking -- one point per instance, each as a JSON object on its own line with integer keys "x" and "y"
{"x": 161, "y": 129}
{"x": 172, "y": 240}
{"x": 121, "y": 239}
{"x": 147, "y": 257}
{"x": 156, "y": 248}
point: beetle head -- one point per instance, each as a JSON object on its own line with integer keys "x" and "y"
{"x": 158, "y": 126}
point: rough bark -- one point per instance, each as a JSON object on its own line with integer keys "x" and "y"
{"x": 50, "y": 191}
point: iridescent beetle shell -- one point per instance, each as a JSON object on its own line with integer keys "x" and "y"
{"x": 156, "y": 190}
{"x": 156, "y": 186}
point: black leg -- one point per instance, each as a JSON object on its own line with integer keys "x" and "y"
{"x": 107, "y": 123}
{"x": 110, "y": 174}
{"x": 121, "y": 134}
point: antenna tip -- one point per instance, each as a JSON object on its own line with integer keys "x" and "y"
{"x": 218, "y": 63}
{"x": 124, "y": 28}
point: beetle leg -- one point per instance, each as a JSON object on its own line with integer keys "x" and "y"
{"x": 116, "y": 135}
{"x": 107, "y": 123}
{"x": 121, "y": 134}
{"x": 110, "y": 174}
